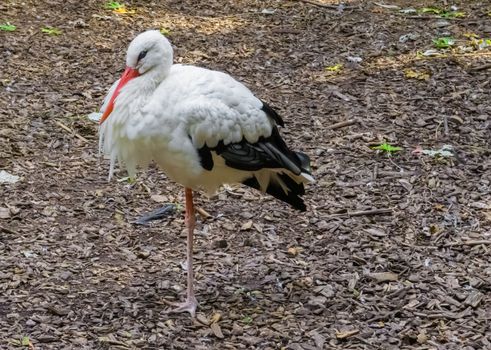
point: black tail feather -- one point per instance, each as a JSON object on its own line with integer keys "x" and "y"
{"x": 292, "y": 197}
{"x": 304, "y": 162}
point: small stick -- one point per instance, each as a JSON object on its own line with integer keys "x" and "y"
{"x": 342, "y": 124}
{"x": 273, "y": 259}
{"x": 445, "y": 125}
{"x": 396, "y": 173}
{"x": 370, "y": 212}
{"x": 470, "y": 243}
{"x": 204, "y": 214}
{"x": 63, "y": 126}
{"x": 480, "y": 68}
{"x": 333, "y": 7}
{"x": 364, "y": 212}
{"x": 7, "y": 230}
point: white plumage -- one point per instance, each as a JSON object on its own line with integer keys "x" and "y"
{"x": 202, "y": 127}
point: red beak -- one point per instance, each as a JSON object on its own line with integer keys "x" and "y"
{"x": 128, "y": 74}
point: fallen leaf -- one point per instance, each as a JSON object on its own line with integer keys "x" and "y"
{"x": 411, "y": 74}
{"x": 4, "y": 213}
{"x": 246, "y": 226}
{"x": 51, "y": 30}
{"x": 383, "y": 276}
{"x": 159, "y": 198}
{"x": 217, "y": 331}
{"x": 422, "y": 337}
{"x": 346, "y": 334}
{"x": 387, "y": 148}
{"x": 124, "y": 11}
{"x": 165, "y": 31}
{"x": 7, "y": 27}
{"x": 386, "y": 6}
{"x": 294, "y": 251}
{"x": 319, "y": 339}
{"x": 6, "y": 177}
{"x": 336, "y": 68}
{"x": 444, "y": 42}
{"x": 119, "y": 217}
{"x": 25, "y": 341}
{"x": 215, "y": 317}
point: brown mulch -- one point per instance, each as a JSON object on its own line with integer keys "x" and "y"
{"x": 394, "y": 252}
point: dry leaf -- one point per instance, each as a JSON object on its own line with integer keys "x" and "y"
{"x": 422, "y": 337}
{"x": 217, "y": 331}
{"x": 246, "y": 226}
{"x": 159, "y": 198}
{"x": 215, "y": 317}
{"x": 119, "y": 217}
{"x": 435, "y": 229}
{"x": 412, "y": 74}
{"x": 294, "y": 251}
{"x": 383, "y": 276}
{"x": 202, "y": 319}
{"x": 4, "y": 213}
{"x": 346, "y": 334}
{"x": 124, "y": 11}
{"x": 204, "y": 214}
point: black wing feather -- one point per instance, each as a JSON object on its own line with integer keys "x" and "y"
{"x": 270, "y": 112}
{"x": 267, "y": 153}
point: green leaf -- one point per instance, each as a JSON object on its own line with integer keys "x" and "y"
{"x": 7, "y": 27}
{"x": 165, "y": 31}
{"x": 444, "y": 42}
{"x": 434, "y": 10}
{"x": 387, "y": 148}
{"x": 113, "y": 5}
{"x": 25, "y": 341}
{"x": 442, "y": 13}
{"x": 51, "y": 30}
{"x": 247, "y": 320}
{"x": 452, "y": 14}
{"x": 335, "y": 68}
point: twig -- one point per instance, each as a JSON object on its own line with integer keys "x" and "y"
{"x": 445, "y": 125}
{"x": 332, "y": 7}
{"x": 364, "y": 212}
{"x": 204, "y": 214}
{"x": 480, "y": 68}
{"x": 276, "y": 261}
{"x": 470, "y": 243}
{"x": 63, "y": 126}
{"x": 370, "y": 212}
{"x": 7, "y": 230}
{"x": 396, "y": 173}
{"x": 342, "y": 124}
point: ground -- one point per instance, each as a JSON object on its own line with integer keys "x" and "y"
{"x": 393, "y": 252}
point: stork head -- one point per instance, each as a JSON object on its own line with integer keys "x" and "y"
{"x": 150, "y": 53}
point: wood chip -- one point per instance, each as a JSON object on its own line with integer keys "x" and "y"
{"x": 246, "y": 226}
{"x": 346, "y": 334}
{"x": 474, "y": 298}
{"x": 383, "y": 276}
{"x": 217, "y": 331}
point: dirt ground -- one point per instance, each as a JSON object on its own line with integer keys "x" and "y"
{"x": 393, "y": 252}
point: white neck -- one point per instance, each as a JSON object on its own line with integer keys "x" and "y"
{"x": 134, "y": 95}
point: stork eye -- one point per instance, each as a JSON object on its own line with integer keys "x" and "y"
{"x": 142, "y": 55}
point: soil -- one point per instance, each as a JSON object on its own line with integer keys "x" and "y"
{"x": 393, "y": 252}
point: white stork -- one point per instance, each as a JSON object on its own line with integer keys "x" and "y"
{"x": 202, "y": 127}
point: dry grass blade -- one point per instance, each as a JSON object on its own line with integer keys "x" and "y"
{"x": 66, "y": 128}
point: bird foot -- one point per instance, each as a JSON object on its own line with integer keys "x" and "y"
{"x": 189, "y": 305}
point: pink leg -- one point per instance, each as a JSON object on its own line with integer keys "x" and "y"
{"x": 191, "y": 303}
